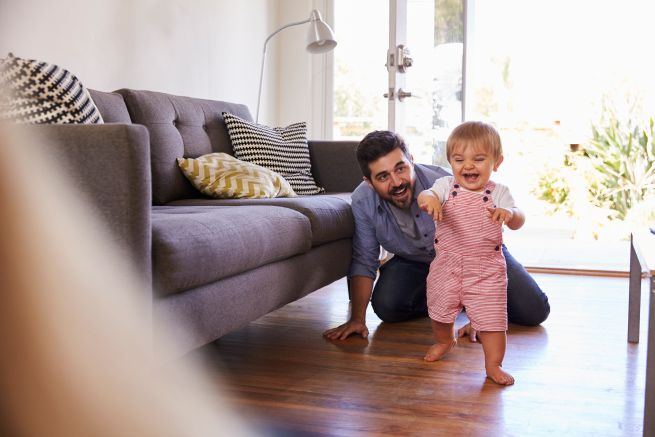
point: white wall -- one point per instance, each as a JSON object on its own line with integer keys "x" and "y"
{"x": 200, "y": 48}
{"x": 303, "y": 77}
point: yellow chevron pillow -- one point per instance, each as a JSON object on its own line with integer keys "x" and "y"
{"x": 223, "y": 176}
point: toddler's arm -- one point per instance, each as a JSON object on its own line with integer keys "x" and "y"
{"x": 429, "y": 202}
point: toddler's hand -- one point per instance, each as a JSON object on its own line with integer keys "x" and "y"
{"x": 500, "y": 216}
{"x": 434, "y": 209}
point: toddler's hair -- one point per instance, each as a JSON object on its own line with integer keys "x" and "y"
{"x": 474, "y": 133}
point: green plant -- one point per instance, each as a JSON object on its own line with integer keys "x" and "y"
{"x": 622, "y": 151}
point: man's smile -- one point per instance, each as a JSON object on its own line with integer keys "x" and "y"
{"x": 401, "y": 191}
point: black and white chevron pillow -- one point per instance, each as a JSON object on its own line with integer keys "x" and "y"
{"x": 282, "y": 149}
{"x": 41, "y": 93}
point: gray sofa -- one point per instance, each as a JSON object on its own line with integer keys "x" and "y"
{"x": 209, "y": 266}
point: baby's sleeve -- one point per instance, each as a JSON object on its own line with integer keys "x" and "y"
{"x": 441, "y": 187}
{"x": 502, "y": 197}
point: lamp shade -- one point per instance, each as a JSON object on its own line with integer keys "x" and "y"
{"x": 320, "y": 38}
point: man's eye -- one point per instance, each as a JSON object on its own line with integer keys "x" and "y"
{"x": 382, "y": 178}
{"x": 400, "y": 169}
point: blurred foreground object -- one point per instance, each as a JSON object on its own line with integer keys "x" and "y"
{"x": 75, "y": 349}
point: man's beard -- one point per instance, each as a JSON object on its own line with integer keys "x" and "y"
{"x": 405, "y": 203}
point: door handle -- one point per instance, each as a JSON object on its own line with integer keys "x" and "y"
{"x": 402, "y": 94}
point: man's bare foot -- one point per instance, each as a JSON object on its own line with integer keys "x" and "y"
{"x": 438, "y": 350}
{"x": 499, "y": 376}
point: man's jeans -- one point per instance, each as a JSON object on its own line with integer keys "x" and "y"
{"x": 400, "y": 292}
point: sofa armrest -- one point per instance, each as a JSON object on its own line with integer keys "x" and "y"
{"x": 110, "y": 166}
{"x": 334, "y": 165}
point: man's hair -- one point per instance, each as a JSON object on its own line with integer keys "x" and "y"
{"x": 474, "y": 133}
{"x": 377, "y": 144}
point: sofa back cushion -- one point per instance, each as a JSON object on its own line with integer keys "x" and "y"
{"x": 180, "y": 127}
{"x": 111, "y": 106}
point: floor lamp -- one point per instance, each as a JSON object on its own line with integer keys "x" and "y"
{"x": 320, "y": 39}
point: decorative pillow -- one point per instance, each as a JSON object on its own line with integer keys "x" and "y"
{"x": 223, "y": 176}
{"x": 38, "y": 92}
{"x": 283, "y": 150}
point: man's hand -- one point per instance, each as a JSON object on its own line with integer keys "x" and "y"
{"x": 343, "y": 331}
{"x": 500, "y": 216}
{"x": 468, "y": 330}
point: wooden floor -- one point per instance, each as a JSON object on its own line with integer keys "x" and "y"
{"x": 575, "y": 375}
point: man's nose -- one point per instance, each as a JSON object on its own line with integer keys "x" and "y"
{"x": 395, "y": 180}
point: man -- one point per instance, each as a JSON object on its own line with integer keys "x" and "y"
{"x": 387, "y": 214}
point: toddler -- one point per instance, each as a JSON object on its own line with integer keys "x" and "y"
{"x": 469, "y": 269}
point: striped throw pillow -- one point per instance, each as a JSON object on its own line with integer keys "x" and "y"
{"x": 223, "y": 176}
{"x": 41, "y": 93}
{"x": 282, "y": 149}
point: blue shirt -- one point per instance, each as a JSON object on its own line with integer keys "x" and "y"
{"x": 375, "y": 226}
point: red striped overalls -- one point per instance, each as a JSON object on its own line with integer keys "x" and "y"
{"x": 469, "y": 269}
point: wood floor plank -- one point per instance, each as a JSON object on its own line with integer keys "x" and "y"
{"x": 575, "y": 375}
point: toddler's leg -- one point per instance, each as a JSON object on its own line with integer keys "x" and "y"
{"x": 493, "y": 344}
{"x": 445, "y": 335}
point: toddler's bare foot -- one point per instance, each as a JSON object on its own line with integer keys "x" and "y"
{"x": 438, "y": 350}
{"x": 499, "y": 376}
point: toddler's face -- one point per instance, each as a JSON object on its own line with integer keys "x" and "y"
{"x": 472, "y": 166}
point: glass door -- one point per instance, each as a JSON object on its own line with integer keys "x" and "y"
{"x": 435, "y": 38}
{"x": 405, "y": 76}
{"x": 360, "y": 77}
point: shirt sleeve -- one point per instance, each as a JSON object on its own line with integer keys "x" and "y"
{"x": 366, "y": 247}
{"x": 502, "y": 197}
{"x": 441, "y": 187}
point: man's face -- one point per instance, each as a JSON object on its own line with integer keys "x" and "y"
{"x": 393, "y": 178}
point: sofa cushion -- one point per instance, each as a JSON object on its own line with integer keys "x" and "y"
{"x": 180, "y": 127}
{"x": 330, "y": 214}
{"x": 111, "y": 106}
{"x": 193, "y": 246}
{"x": 43, "y": 93}
{"x": 282, "y": 149}
{"x": 223, "y": 176}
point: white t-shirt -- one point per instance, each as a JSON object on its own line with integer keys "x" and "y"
{"x": 500, "y": 196}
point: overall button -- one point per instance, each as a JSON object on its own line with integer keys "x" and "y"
{"x": 497, "y": 248}
{"x": 436, "y": 241}
{"x": 456, "y": 186}
{"x": 454, "y": 193}
{"x": 488, "y": 192}
{"x": 485, "y": 198}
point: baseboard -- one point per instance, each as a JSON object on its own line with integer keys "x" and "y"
{"x": 579, "y": 271}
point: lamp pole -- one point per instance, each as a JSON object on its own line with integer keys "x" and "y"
{"x": 261, "y": 75}
{"x": 319, "y": 39}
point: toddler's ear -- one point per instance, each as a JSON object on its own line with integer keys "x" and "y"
{"x": 500, "y": 160}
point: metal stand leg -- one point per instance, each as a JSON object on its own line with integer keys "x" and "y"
{"x": 649, "y": 407}
{"x": 634, "y": 302}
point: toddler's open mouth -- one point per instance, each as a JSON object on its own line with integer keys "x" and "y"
{"x": 470, "y": 177}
